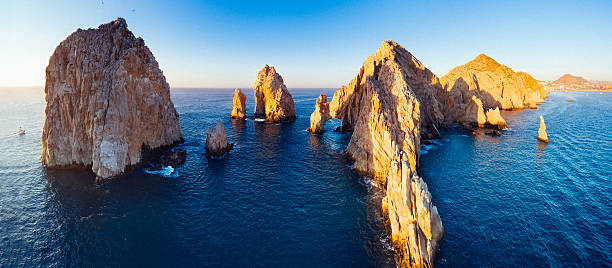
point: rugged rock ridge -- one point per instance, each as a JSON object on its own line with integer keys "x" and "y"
{"x": 239, "y": 107}
{"x": 494, "y": 84}
{"x": 387, "y": 105}
{"x": 272, "y": 99}
{"x": 422, "y": 82}
{"x": 107, "y": 102}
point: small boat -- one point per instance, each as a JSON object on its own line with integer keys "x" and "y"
{"x": 20, "y": 132}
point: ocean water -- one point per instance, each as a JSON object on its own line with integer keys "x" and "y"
{"x": 284, "y": 197}
{"x": 513, "y": 201}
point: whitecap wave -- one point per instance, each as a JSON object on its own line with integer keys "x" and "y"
{"x": 165, "y": 171}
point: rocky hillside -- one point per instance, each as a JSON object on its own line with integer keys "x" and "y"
{"x": 494, "y": 84}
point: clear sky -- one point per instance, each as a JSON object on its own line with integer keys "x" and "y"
{"x": 317, "y": 43}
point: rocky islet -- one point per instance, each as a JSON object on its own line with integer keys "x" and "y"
{"x": 108, "y": 103}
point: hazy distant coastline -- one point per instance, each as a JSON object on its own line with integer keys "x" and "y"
{"x": 569, "y": 82}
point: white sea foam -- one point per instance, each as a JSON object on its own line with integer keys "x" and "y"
{"x": 165, "y": 171}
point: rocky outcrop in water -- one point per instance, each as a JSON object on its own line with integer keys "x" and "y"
{"x": 415, "y": 224}
{"x": 382, "y": 106}
{"x": 495, "y": 84}
{"x": 272, "y": 99}
{"x": 495, "y": 119}
{"x": 239, "y": 108}
{"x": 108, "y": 103}
{"x": 216, "y": 141}
{"x": 542, "y": 136}
{"x": 320, "y": 115}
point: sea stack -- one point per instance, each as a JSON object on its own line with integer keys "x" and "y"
{"x": 273, "y": 101}
{"x": 320, "y": 115}
{"x": 108, "y": 103}
{"x": 239, "y": 108}
{"x": 216, "y": 141}
{"x": 382, "y": 105}
{"x": 542, "y": 131}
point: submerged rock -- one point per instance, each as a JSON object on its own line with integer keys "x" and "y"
{"x": 216, "y": 141}
{"x": 495, "y": 119}
{"x": 272, "y": 99}
{"x": 239, "y": 107}
{"x": 108, "y": 103}
{"x": 320, "y": 115}
{"x": 173, "y": 158}
{"x": 542, "y": 136}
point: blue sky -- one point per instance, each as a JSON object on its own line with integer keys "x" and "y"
{"x": 317, "y": 43}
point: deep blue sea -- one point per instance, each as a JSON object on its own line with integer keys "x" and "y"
{"x": 284, "y": 197}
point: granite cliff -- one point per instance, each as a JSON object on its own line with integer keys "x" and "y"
{"x": 108, "y": 103}
{"x": 389, "y": 106}
{"x": 273, "y": 101}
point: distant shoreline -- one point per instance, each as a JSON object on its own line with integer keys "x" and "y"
{"x": 581, "y": 90}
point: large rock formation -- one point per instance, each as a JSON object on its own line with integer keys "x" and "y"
{"x": 387, "y": 105}
{"x": 216, "y": 141}
{"x": 320, "y": 115}
{"x": 239, "y": 108}
{"x": 108, "y": 103}
{"x": 272, "y": 99}
{"x": 495, "y": 84}
{"x": 422, "y": 82}
{"x": 542, "y": 136}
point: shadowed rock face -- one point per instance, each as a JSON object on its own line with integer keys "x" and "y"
{"x": 216, "y": 141}
{"x": 272, "y": 99}
{"x": 383, "y": 106}
{"x": 495, "y": 84}
{"x": 107, "y": 100}
{"x": 239, "y": 107}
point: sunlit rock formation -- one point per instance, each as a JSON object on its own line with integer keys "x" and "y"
{"x": 495, "y": 119}
{"x": 542, "y": 136}
{"x": 387, "y": 105}
{"x": 495, "y": 84}
{"x": 108, "y": 103}
{"x": 320, "y": 115}
{"x": 415, "y": 224}
{"x": 239, "y": 107}
{"x": 272, "y": 99}
{"x": 216, "y": 141}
